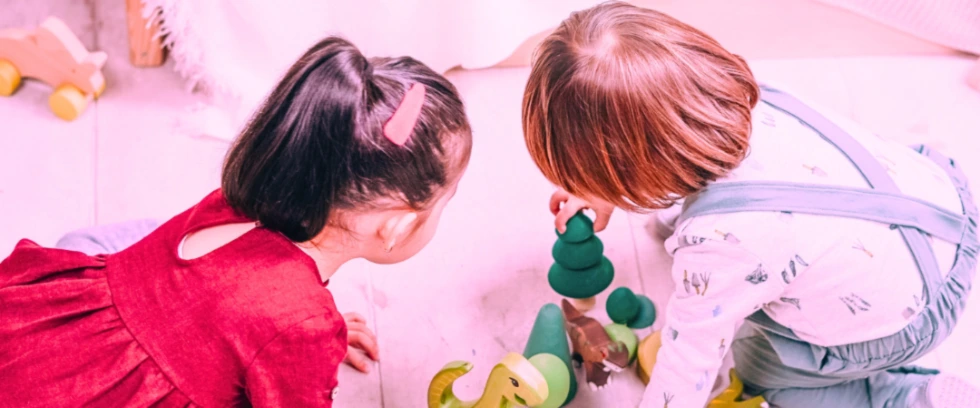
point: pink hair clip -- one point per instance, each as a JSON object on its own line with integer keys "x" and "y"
{"x": 399, "y": 126}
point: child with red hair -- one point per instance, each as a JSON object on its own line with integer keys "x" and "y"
{"x": 825, "y": 258}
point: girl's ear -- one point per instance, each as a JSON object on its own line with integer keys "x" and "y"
{"x": 397, "y": 228}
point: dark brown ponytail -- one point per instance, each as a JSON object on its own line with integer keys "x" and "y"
{"x": 316, "y": 144}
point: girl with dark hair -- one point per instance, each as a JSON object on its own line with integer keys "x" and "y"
{"x": 224, "y": 304}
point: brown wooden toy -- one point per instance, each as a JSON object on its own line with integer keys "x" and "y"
{"x": 53, "y": 54}
{"x": 593, "y": 348}
{"x": 145, "y": 43}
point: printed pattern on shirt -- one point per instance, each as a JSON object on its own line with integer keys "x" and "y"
{"x": 700, "y": 283}
{"x": 728, "y": 237}
{"x": 719, "y": 282}
{"x": 790, "y": 273}
{"x": 816, "y": 171}
{"x": 858, "y": 245}
{"x": 792, "y": 301}
{"x": 757, "y": 276}
{"x": 855, "y": 303}
{"x": 684, "y": 241}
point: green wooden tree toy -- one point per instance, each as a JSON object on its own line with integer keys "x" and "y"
{"x": 625, "y": 307}
{"x": 580, "y": 271}
{"x": 548, "y": 338}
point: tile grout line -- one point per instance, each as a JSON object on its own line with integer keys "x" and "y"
{"x": 93, "y": 15}
{"x": 95, "y": 168}
{"x": 377, "y": 333}
{"x": 636, "y": 253}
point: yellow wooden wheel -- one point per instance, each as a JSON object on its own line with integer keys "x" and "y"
{"x": 9, "y": 78}
{"x": 67, "y": 102}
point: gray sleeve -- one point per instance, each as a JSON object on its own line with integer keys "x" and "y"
{"x": 107, "y": 239}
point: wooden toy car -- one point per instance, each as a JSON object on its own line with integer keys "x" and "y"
{"x": 52, "y": 54}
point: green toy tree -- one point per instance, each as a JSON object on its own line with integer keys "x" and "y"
{"x": 548, "y": 338}
{"x": 580, "y": 271}
{"x": 625, "y": 307}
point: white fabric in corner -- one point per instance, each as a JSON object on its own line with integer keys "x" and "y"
{"x": 235, "y": 50}
{"x": 953, "y": 23}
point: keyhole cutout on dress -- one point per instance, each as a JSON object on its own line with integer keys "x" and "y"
{"x": 204, "y": 241}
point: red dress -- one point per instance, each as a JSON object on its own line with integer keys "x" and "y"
{"x": 247, "y": 324}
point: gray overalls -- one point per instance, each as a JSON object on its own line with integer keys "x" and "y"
{"x": 790, "y": 372}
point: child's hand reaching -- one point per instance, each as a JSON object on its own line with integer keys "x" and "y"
{"x": 603, "y": 210}
{"x": 360, "y": 337}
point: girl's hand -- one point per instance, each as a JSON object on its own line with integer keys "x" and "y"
{"x": 572, "y": 205}
{"x": 360, "y": 337}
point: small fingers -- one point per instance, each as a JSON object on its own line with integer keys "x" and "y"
{"x": 364, "y": 341}
{"x": 354, "y": 317}
{"x": 358, "y": 327}
{"x": 601, "y": 220}
{"x": 561, "y": 219}
{"x": 559, "y": 196}
{"x": 357, "y": 360}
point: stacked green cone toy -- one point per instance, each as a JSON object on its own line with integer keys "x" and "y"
{"x": 625, "y": 307}
{"x": 548, "y": 342}
{"x": 580, "y": 271}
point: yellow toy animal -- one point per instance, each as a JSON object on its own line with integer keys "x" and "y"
{"x": 53, "y": 54}
{"x": 731, "y": 396}
{"x": 512, "y": 382}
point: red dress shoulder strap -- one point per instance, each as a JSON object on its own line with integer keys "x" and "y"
{"x": 212, "y": 211}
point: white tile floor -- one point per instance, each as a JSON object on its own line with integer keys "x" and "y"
{"x": 484, "y": 273}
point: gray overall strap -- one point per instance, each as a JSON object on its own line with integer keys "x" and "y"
{"x": 883, "y": 203}
{"x": 847, "y": 202}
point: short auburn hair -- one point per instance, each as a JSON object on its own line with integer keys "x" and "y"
{"x": 634, "y": 107}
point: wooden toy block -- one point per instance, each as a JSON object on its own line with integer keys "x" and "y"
{"x": 583, "y": 304}
{"x": 145, "y": 43}
{"x": 973, "y": 77}
{"x": 646, "y": 356}
{"x": 593, "y": 348}
{"x": 625, "y": 307}
{"x": 52, "y": 54}
{"x": 548, "y": 337}
{"x": 559, "y": 377}
{"x": 580, "y": 270}
{"x": 514, "y": 381}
